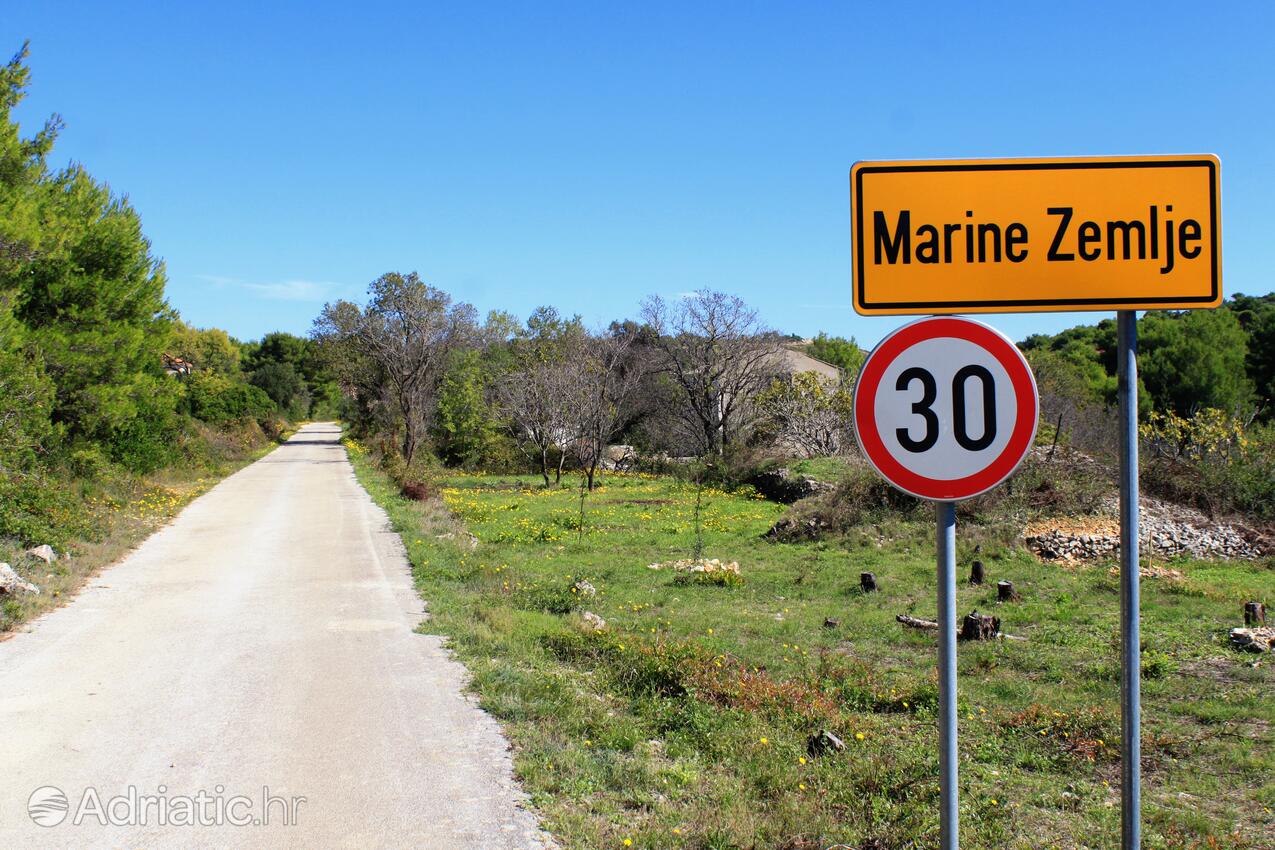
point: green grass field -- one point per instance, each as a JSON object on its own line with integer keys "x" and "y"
{"x": 685, "y": 724}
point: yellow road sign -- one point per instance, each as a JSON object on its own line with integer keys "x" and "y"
{"x": 1028, "y": 235}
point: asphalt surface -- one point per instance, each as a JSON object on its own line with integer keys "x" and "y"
{"x": 262, "y": 640}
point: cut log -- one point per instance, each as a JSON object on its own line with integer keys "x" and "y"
{"x": 978, "y": 626}
{"x": 1005, "y": 592}
{"x": 917, "y": 623}
{"x": 977, "y": 573}
{"x": 868, "y": 582}
{"x": 1254, "y": 614}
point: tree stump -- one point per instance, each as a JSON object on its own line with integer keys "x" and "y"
{"x": 824, "y": 742}
{"x": 977, "y": 574}
{"x": 978, "y": 626}
{"x": 1005, "y": 592}
{"x": 1254, "y": 614}
{"x": 868, "y": 582}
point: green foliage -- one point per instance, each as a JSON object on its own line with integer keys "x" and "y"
{"x": 1257, "y": 317}
{"x": 468, "y": 426}
{"x": 218, "y": 400}
{"x": 22, "y": 168}
{"x": 1078, "y": 363}
{"x": 284, "y": 386}
{"x": 209, "y": 349}
{"x": 26, "y": 402}
{"x": 35, "y": 510}
{"x": 839, "y": 351}
{"x": 92, "y": 300}
{"x": 1194, "y": 360}
{"x": 150, "y": 438}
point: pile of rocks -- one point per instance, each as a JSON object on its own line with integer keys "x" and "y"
{"x": 1261, "y": 639}
{"x": 1164, "y": 530}
{"x": 688, "y": 565}
{"x": 784, "y": 486}
{"x": 463, "y": 539}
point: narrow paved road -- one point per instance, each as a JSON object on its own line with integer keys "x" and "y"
{"x": 263, "y": 640}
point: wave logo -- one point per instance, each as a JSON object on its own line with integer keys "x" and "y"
{"x": 47, "y": 806}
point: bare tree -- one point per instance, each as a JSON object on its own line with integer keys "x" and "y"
{"x": 406, "y": 333}
{"x": 719, "y": 356}
{"x": 610, "y": 372}
{"x": 810, "y": 414}
{"x": 544, "y": 393}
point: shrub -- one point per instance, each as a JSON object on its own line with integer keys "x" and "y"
{"x": 218, "y": 400}
{"x": 720, "y": 578}
{"x": 35, "y": 510}
{"x": 149, "y": 439}
{"x": 418, "y": 491}
{"x": 88, "y": 462}
{"x": 281, "y": 382}
{"x": 861, "y": 497}
{"x": 1210, "y": 461}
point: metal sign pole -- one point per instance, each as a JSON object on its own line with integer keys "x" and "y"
{"x": 1130, "y": 645}
{"x": 949, "y": 832}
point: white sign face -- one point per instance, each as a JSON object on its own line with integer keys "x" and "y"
{"x": 945, "y": 408}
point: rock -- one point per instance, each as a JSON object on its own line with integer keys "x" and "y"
{"x": 11, "y": 582}
{"x": 1165, "y": 530}
{"x": 790, "y": 529}
{"x": 781, "y": 485}
{"x": 1254, "y": 640}
{"x": 584, "y": 588}
{"x": 44, "y": 553}
{"x": 465, "y": 539}
{"x": 824, "y": 742}
{"x": 703, "y": 565}
{"x": 593, "y": 621}
{"x": 619, "y": 458}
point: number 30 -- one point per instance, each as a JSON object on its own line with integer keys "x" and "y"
{"x": 925, "y": 409}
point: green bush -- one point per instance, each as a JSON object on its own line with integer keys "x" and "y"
{"x": 218, "y": 400}
{"x": 1238, "y": 477}
{"x": 36, "y": 510}
{"x": 149, "y": 439}
{"x": 861, "y": 497}
{"x": 88, "y": 462}
{"x": 283, "y": 384}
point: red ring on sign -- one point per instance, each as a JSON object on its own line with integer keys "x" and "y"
{"x": 1020, "y": 440}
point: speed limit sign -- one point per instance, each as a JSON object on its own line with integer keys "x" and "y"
{"x": 945, "y": 408}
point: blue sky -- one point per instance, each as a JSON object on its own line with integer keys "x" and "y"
{"x": 588, "y": 154}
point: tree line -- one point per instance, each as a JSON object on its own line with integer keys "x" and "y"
{"x": 698, "y": 377}
{"x": 86, "y": 334}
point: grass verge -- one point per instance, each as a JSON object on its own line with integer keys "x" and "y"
{"x": 694, "y": 719}
{"x": 100, "y": 517}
